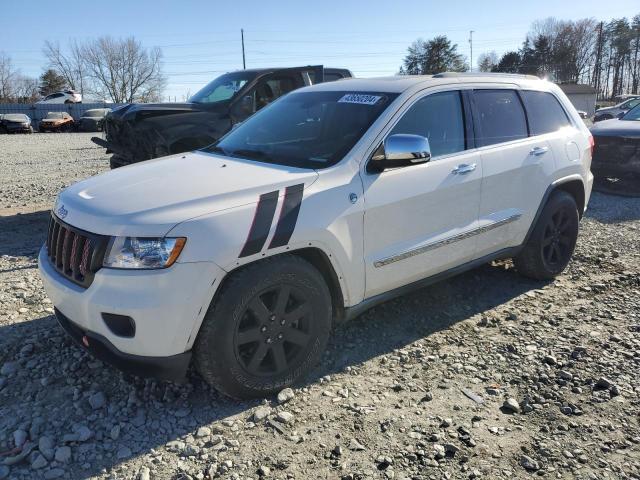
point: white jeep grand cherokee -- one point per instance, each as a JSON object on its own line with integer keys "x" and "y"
{"x": 333, "y": 198}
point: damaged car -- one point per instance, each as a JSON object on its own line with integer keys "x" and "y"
{"x": 138, "y": 132}
{"x": 617, "y": 146}
{"x": 93, "y": 120}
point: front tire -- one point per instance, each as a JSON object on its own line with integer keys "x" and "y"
{"x": 266, "y": 329}
{"x": 550, "y": 247}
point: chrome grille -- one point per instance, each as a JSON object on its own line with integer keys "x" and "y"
{"x": 75, "y": 254}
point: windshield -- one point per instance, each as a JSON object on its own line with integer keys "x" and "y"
{"x": 305, "y": 129}
{"x": 16, "y": 117}
{"x": 54, "y": 115}
{"x": 633, "y": 114}
{"x": 96, "y": 113}
{"x": 630, "y": 103}
{"x": 223, "y": 88}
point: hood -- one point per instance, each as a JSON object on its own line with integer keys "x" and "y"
{"x": 137, "y": 111}
{"x": 614, "y": 108}
{"x": 616, "y": 127}
{"x": 150, "y": 198}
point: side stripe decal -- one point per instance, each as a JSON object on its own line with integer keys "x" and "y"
{"x": 288, "y": 215}
{"x": 261, "y": 225}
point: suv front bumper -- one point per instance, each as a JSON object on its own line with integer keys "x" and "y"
{"x": 166, "y": 305}
{"x": 165, "y": 368}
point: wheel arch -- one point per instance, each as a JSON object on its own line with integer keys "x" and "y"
{"x": 573, "y": 185}
{"x": 575, "y": 188}
{"x": 317, "y": 257}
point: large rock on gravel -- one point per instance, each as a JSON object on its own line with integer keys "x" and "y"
{"x": 9, "y": 368}
{"x": 285, "y": 395}
{"x": 63, "y": 454}
{"x": 529, "y": 463}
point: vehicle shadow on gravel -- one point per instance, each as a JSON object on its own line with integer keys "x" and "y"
{"x": 129, "y": 416}
{"x": 606, "y": 208}
{"x": 400, "y": 322}
{"x": 23, "y": 234}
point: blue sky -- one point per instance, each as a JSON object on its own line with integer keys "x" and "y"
{"x": 201, "y": 39}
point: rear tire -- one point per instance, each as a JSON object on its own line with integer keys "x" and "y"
{"x": 550, "y": 247}
{"x": 266, "y": 329}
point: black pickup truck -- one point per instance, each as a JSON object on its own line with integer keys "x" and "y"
{"x": 142, "y": 131}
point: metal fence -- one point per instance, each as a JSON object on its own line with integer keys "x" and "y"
{"x": 38, "y": 111}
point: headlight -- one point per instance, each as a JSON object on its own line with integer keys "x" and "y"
{"x": 143, "y": 253}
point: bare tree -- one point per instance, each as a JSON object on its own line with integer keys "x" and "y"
{"x": 487, "y": 61}
{"x": 7, "y": 78}
{"x": 124, "y": 70}
{"x": 25, "y": 89}
{"x": 69, "y": 63}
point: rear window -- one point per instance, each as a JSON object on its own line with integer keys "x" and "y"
{"x": 501, "y": 116}
{"x": 545, "y": 113}
{"x": 16, "y": 117}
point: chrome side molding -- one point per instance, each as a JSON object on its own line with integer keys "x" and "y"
{"x": 447, "y": 241}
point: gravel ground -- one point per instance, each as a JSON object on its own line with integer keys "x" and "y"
{"x": 487, "y": 375}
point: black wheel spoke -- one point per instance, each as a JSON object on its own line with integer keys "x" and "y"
{"x": 557, "y": 252}
{"x": 259, "y": 309}
{"x": 297, "y": 313}
{"x": 258, "y": 357}
{"x": 296, "y": 336}
{"x": 282, "y": 300}
{"x": 249, "y": 336}
{"x": 279, "y": 357}
{"x": 547, "y": 241}
{"x": 565, "y": 240}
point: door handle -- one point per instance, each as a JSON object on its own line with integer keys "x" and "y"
{"x": 464, "y": 168}
{"x": 539, "y": 151}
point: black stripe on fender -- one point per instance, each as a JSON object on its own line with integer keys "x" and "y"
{"x": 288, "y": 215}
{"x": 261, "y": 224}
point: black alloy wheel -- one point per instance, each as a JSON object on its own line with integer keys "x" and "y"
{"x": 557, "y": 243}
{"x": 274, "y": 332}
{"x": 548, "y": 250}
{"x": 266, "y": 328}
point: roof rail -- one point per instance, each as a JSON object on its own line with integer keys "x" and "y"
{"x": 484, "y": 74}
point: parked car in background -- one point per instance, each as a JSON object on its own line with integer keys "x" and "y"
{"x": 56, "y": 122}
{"x": 68, "y": 96}
{"x": 15, "y": 123}
{"x": 617, "y": 146}
{"x": 138, "y": 132}
{"x": 608, "y": 113}
{"x": 243, "y": 255}
{"x": 93, "y": 120}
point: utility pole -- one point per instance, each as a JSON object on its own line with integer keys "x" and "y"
{"x": 471, "y": 48}
{"x": 244, "y": 63}
{"x": 597, "y": 66}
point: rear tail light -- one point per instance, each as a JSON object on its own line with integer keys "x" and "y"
{"x": 592, "y": 144}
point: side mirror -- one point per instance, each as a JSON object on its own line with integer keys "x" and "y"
{"x": 400, "y": 150}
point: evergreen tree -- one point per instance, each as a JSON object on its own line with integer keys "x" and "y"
{"x": 51, "y": 82}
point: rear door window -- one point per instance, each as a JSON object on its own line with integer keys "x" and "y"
{"x": 500, "y": 115}
{"x": 438, "y": 117}
{"x": 545, "y": 113}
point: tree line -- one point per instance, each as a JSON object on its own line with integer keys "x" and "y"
{"x": 605, "y": 55}
{"x": 107, "y": 69}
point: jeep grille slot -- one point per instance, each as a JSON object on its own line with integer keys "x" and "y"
{"x": 75, "y": 254}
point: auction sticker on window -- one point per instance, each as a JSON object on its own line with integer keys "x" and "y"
{"x": 360, "y": 98}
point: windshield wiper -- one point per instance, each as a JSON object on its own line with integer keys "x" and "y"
{"x": 216, "y": 148}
